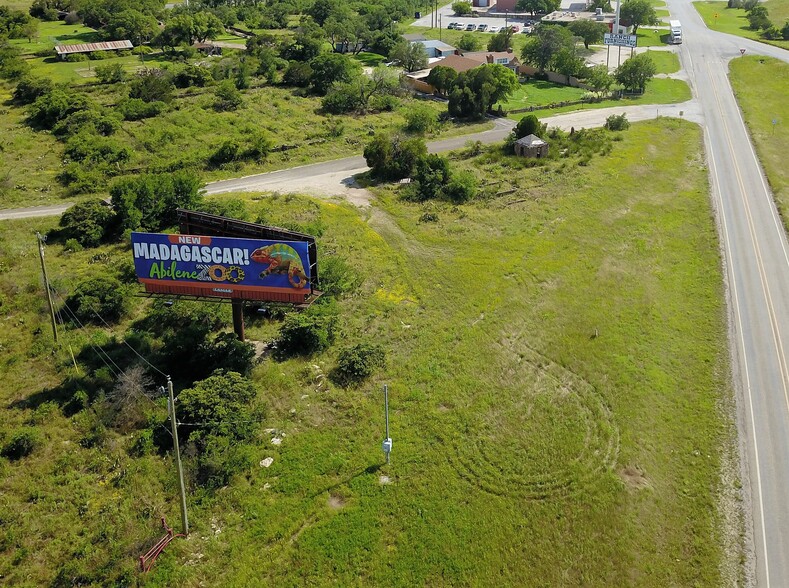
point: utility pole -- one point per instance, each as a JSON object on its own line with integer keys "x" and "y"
{"x": 46, "y": 285}
{"x": 387, "y": 444}
{"x": 173, "y": 424}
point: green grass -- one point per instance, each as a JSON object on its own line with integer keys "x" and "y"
{"x": 778, "y": 10}
{"x": 666, "y": 62}
{"x": 51, "y": 33}
{"x": 368, "y": 59}
{"x": 658, "y": 91}
{"x": 733, "y": 21}
{"x": 651, "y": 37}
{"x": 760, "y": 84}
{"x": 536, "y": 92}
{"x": 557, "y": 360}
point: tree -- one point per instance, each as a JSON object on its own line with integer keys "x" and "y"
{"x": 442, "y": 78}
{"x": 54, "y": 106}
{"x": 393, "y": 157}
{"x": 98, "y": 298}
{"x": 206, "y": 25}
{"x": 409, "y": 56}
{"x": 589, "y": 31}
{"x": 321, "y": 10}
{"x": 547, "y": 41}
{"x": 461, "y": 8}
{"x": 306, "y": 45}
{"x": 330, "y": 68}
{"x": 149, "y": 201}
{"x": 758, "y": 18}
{"x": 501, "y": 41}
{"x": 785, "y": 31}
{"x": 476, "y": 91}
{"x": 88, "y": 222}
{"x": 568, "y": 63}
{"x": 634, "y": 73}
{"x": 228, "y": 97}
{"x": 13, "y": 23}
{"x": 529, "y": 125}
{"x": 152, "y": 85}
{"x": 110, "y": 73}
{"x": 468, "y": 42}
{"x": 599, "y": 78}
{"x": 638, "y": 13}
{"x": 132, "y": 25}
{"x": 29, "y": 88}
{"x": 222, "y": 404}
{"x": 538, "y": 6}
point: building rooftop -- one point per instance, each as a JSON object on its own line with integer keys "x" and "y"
{"x": 89, "y": 47}
{"x": 530, "y": 141}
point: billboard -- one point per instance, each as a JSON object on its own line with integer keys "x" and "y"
{"x": 222, "y": 267}
{"x": 620, "y": 39}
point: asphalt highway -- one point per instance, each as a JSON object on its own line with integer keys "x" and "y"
{"x": 756, "y": 262}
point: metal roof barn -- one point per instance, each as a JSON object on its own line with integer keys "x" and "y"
{"x": 90, "y": 47}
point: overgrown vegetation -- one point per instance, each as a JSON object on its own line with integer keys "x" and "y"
{"x": 530, "y": 272}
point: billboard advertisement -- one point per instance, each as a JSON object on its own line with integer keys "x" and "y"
{"x": 222, "y": 267}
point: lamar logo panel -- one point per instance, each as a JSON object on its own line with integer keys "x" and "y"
{"x": 223, "y": 267}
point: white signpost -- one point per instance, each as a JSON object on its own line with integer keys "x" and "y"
{"x": 620, "y": 40}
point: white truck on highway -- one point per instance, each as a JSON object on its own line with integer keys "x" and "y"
{"x": 675, "y": 35}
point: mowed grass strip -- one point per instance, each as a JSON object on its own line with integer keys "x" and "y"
{"x": 658, "y": 91}
{"x": 760, "y": 84}
{"x": 733, "y": 21}
{"x": 666, "y": 62}
{"x": 556, "y": 362}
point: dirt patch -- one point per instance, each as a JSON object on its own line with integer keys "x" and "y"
{"x": 336, "y": 502}
{"x": 634, "y": 478}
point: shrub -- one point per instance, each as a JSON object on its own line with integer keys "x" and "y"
{"x": 192, "y": 75}
{"x": 77, "y": 57}
{"x": 341, "y": 99}
{"x": 136, "y": 109}
{"x": 357, "y": 363}
{"x": 223, "y": 404}
{"x": 306, "y": 333}
{"x": 420, "y": 119}
{"x": 110, "y": 73}
{"x": 73, "y": 245}
{"x": 100, "y": 55}
{"x": 83, "y": 180}
{"x": 152, "y": 85}
{"x": 228, "y": 353}
{"x": 29, "y": 88}
{"x": 54, "y": 106}
{"x": 227, "y": 152}
{"x": 529, "y": 125}
{"x": 143, "y": 443}
{"x": 393, "y": 157}
{"x": 89, "y": 121}
{"x": 297, "y": 74}
{"x": 228, "y": 97}
{"x": 98, "y": 297}
{"x": 337, "y": 277}
{"x": 461, "y": 187}
{"x": 87, "y": 222}
{"x": 617, "y": 122}
{"x": 22, "y": 443}
{"x": 149, "y": 201}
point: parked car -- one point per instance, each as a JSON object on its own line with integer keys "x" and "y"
{"x": 482, "y": 27}
{"x": 515, "y": 28}
{"x": 527, "y": 30}
{"x": 452, "y": 25}
{"x": 471, "y": 26}
{"x": 493, "y": 29}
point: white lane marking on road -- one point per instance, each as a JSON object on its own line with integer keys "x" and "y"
{"x": 733, "y": 281}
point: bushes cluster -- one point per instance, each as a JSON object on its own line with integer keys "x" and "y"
{"x": 358, "y": 362}
{"x": 137, "y": 109}
{"x": 149, "y": 201}
{"x": 257, "y": 147}
{"x": 22, "y": 443}
{"x": 617, "y": 122}
{"x": 98, "y": 298}
{"x": 308, "y": 332}
{"x": 88, "y": 222}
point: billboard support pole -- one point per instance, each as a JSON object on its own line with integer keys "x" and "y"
{"x": 238, "y": 318}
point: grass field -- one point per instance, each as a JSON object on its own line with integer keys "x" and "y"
{"x": 760, "y": 84}
{"x": 536, "y": 92}
{"x": 666, "y": 62}
{"x": 51, "y": 33}
{"x": 557, "y": 373}
{"x": 651, "y": 37}
{"x": 733, "y": 21}
{"x": 658, "y": 91}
